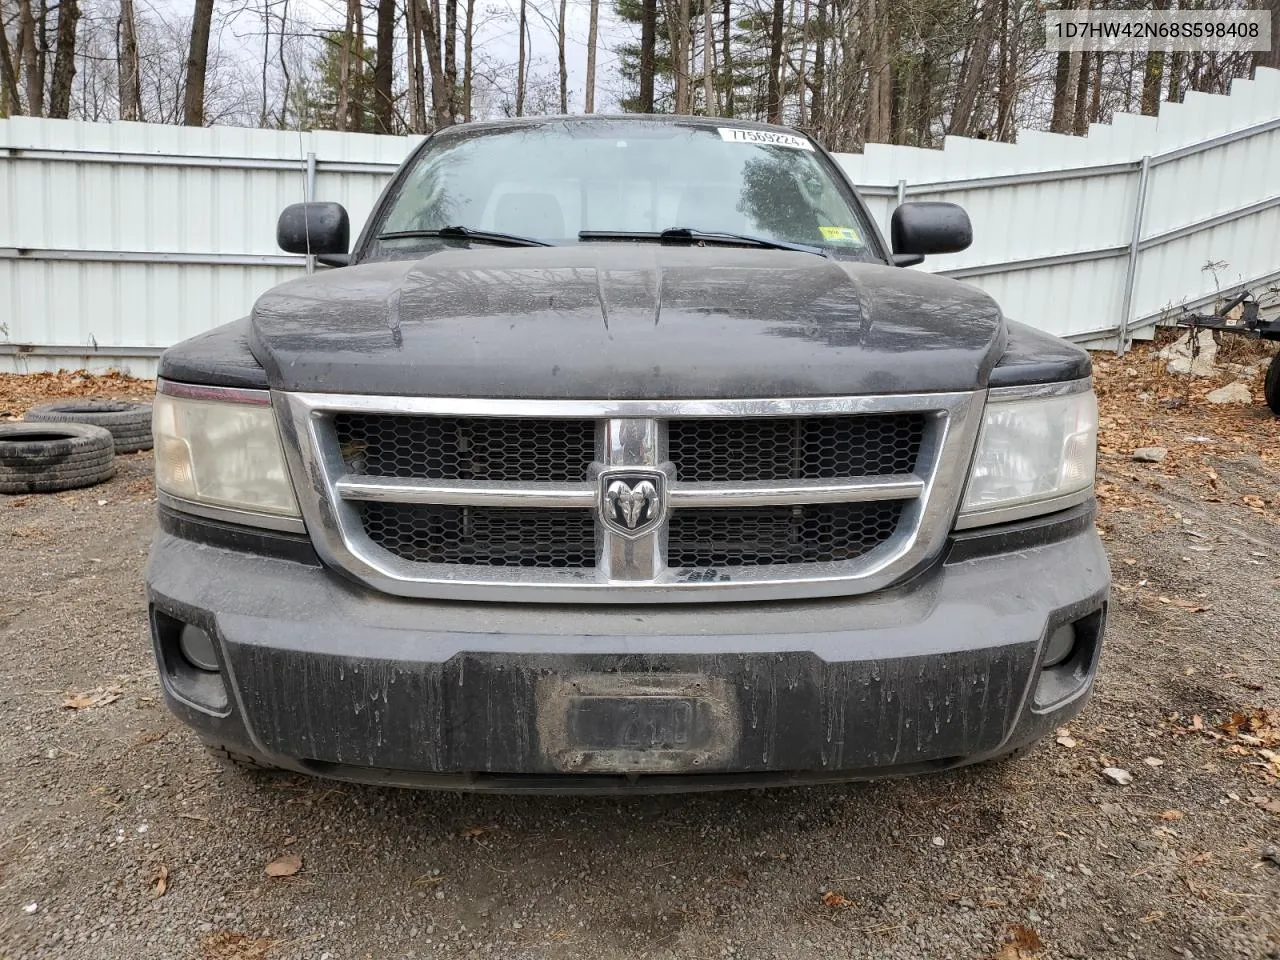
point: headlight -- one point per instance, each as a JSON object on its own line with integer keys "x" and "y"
{"x": 220, "y": 448}
{"x": 1034, "y": 455}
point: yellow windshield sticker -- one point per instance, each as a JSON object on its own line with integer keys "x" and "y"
{"x": 840, "y": 234}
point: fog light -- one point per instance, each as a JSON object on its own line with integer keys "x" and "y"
{"x": 1061, "y": 643}
{"x": 197, "y": 647}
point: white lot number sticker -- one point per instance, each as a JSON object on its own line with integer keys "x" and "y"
{"x": 767, "y": 138}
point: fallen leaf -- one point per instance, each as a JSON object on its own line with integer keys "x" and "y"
{"x": 160, "y": 881}
{"x": 1153, "y": 761}
{"x": 472, "y": 832}
{"x": 226, "y": 945}
{"x": 285, "y": 866}
{"x": 95, "y": 698}
{"x": 1172, "y": 815}
{"x": 1067, "y": 741}
{"x": 833, "y": 899}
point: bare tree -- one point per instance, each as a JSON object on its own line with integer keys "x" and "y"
{"x": 451, "y": 56}
{"x": 30, "y": 60}
{"x": 564, "y": 70}
{"x": 648, "y": 43}
{"x": 10, "y": 99}
{"x": 773, "y": 99}
{"x": 441, "y": 101}
{"x": 978, "y": 56}
{"x": 64, "y": 62}
{"x": 384, "y": 67}
{"x": 708, "y": 45}
{"x": 1270, "y": 58}
{"x": 727, "y": 57}
{"x": 417, "y": 92}
{"x": 197, "y": 63}
{"x": 592, "y": 39}
{"x": 129, "y": 74}
{"x": 468, "y": 67}
{"x": 520, "y": 71}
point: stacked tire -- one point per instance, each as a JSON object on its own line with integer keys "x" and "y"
{"x": 129, "y": 423}
{"x": 70, "y": 444}
{"x": 47, "y": 457}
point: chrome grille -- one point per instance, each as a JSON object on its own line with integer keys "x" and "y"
{"x": 465, "y": 448}
{"x": 483, "y": 536}
{"x": 785, "y": 448}
{"x": 505, "y": 499}
{"x": 763, "y": 536}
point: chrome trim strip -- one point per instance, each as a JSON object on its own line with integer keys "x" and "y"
{"x": 192, "y": 391}
{"x": 953, "y": 421}
{"x": 1021, "y": 511}
{"x": 623, "y": 443}
{"x": 461, "y": 492}
{"x": 764, "y": 493}
{"x": 627, "y": 409}
{"x": 1032, "y": 391}
{"x": 245, "y": 518}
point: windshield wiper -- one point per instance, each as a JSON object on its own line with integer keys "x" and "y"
{"x": 466, "y": 233}
{"x": 693, "y": 235}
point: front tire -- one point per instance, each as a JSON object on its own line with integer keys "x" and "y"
{"x": 1272, "y": 387}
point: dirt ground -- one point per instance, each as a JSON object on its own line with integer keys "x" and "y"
{"x": 120, "y": 838}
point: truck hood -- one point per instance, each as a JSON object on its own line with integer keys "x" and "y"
{"x": 625, "y": 320}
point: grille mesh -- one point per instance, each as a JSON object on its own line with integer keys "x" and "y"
{"x": 482, "y": 536}
{"x": 466, "y": 448}
{"x": 800, "y": 448}
{"x": 764, "y": 536}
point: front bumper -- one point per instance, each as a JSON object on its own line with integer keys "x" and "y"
{"x": 324, "y": 677}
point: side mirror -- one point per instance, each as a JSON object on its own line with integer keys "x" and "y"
{"x": 928, "y": 227}
{"x": 322, "y": 229}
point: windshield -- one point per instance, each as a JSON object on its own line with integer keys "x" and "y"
{"x": 551, "y": 182}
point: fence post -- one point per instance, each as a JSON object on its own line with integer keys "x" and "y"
{"x": 1131, "y": 266}
{"x": 309, "y": 194}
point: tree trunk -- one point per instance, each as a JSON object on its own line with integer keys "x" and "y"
{"x": 417, "y": 84}
{"x": 520, "y": 68}
{"x": 30, "y": 59}
{"x": 10, "y": 99}
{"x": 802, "y": 74}
{"x": 1080, "y": 120}
{"x": 773, "y": 96}
{"x": 708, "y": 45}
{"x": 648, "y": 43}
{"x": 1095, "y": 100}
{"x": 343, "y": 111}
{"x": 1061, "y": 77}
{"x": 384, "y": 67}
{"x": 563, "y": 66}
{"x": 439, "y": 88}
{"x": 975, "y": 72}
{"x": 129, "y": 78}
{"x": 451, "y": 55}
{"x": 880, "y": 85}
{"x": 1008, "y": 91}
{"x": 1177, "y": 67}
{"x": 1153, "y": 74}
{"x": 64, "y": 61}
{"x": 817, "y": 102}
{"x": 727, "y": 57}
{"x": 197, "y": 64}
{"x": 468, "y": 70}
{"x": 592, "y": 37}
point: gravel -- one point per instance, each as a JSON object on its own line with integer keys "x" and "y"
{"x": 105, "y": 806}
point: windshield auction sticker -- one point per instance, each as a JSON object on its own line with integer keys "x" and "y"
{"x": 764, "y": 138}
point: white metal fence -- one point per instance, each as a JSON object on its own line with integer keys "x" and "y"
{"x": 119, "y": 239}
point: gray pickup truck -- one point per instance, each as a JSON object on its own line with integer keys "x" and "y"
{"x": 622, "y": 454}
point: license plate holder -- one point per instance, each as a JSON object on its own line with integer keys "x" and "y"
{"x": 637, "y": 723}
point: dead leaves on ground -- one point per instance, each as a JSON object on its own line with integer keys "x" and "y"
{"x": 285, "y": 866}
{"x": 21, "y": 391}
{"x": 100, "y": 697}
{"x": 160, "y": 881}
{"x": 225, "y": 945}
{"x": 836, "y": 900}
{"x": 1021, "y": 943}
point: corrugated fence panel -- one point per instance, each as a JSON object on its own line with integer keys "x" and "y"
{"x": 117, "y": 239}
